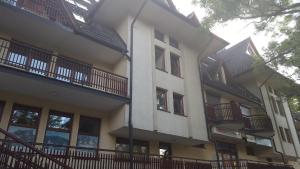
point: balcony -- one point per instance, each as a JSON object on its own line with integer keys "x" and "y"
{"x": 226, "y": 115}
{"x": 33, "y": 71}
{"x": 59, "y": 25}
{"x": 259, "y": 125}
{"x": 247, "y": 164}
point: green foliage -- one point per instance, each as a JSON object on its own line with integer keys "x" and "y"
{"x": 281, "y": 18}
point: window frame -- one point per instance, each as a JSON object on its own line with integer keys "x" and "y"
{"x": 2, "y": 105}
{"x": 99, "y": 129}
{"x": 166, "y": 109}
{"x": 29, "y": 53}
{"x": 59, "y": 113}
{"x": 120, "y": 140}
{"x": 282, "y": 134}
{"x": 177, "y": 66}
{"x": 157, "y": 32}
{"x": 289, "y": 136}
{"x": 181, "y": 103}
{"x": 26, "y": 107}
{"x": 163, "y": 57}
{"x": 173, "y": 42}
{"x": 71, "y": 65}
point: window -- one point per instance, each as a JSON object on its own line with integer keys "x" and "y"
{"x": 162, "y": 103}
{"x": 174, "y": 43}
{"x": 250, "y": 151}
{"x": 165, "y": 149}
{"x": 175, "y": 65}
{"x": 246, "y": 111}
{"x": 159, "y": 58}
{"x": 71, "y": 71}
{"x": 159, "y": 36}
{"x": 281, "y": 108}
{"x": 88, "y": 132}
{"x": 24, "y": 122}
{"x": 270, "y": 89}
{"x": 2, "y": 104}
{"x": 289, "y": 136}
{"x": 59, "y": 128}
{"x": 178, "y": 104}
{"x": 282, "y": 133}
{"x": 141, "y": 147}
{"x": 24, "y": 57}
{"x": 273, "y": 102}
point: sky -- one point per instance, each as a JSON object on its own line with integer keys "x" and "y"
{"x": 233, "y": 32}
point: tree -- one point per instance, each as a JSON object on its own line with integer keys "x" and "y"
{"x": 281, "y": 18}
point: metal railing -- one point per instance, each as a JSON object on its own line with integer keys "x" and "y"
{"x": 258, "y": 123}
{"x": 41, "y": 62}
{"x": 49, "y": 9}
{"x": 223, "y": 112}
{"x": 17, "y": 154}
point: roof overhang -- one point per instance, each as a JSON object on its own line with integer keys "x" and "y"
{"x": 112, "y": 12}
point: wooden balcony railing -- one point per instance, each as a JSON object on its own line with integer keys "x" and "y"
{"x": 47, "y": 156}
{"x": 51, "y": 9}
{"x": 223, "y": 112}
{"x": 41, "y": 62}
{"x": 247, "y": 164}
{"x": 258, "y": 123}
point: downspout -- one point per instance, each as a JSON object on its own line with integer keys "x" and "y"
{"x": 203, "y": 98}
{"x": 130, "y": 132}
{"x": 276, "y": 125}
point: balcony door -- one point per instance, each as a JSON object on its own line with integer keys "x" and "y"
{"x": 227, "y": 155}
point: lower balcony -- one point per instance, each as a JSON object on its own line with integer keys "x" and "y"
{"x": 259, "y": 125}
{"x": 17, "y": 154}
{"x": 28, "y": 70}
{"x": 247, "y": 164}
{"x": 226, "y": 115}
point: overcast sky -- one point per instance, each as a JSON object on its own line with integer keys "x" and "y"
{"x": 233, "y": 32}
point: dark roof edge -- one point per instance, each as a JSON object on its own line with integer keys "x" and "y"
{"x": 109, "y": 45}
{"x": 185, "y": 19}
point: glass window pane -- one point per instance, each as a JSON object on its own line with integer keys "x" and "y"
{"x": 175, "y": 65}
{"x": 63, "y": 74}
{"x": 57, "y": 138}
{"x": 89, "y": 126}
{"x": 25, "y": 134}
{"x": 178, "y": 104}
{"x": 159, "y": 35}
{"x": 38, "y": 67}
{"x": 159, "y": 58}
{"x": 87, "y": 141}
{"x": 25, "y": 117}
{"x": 60, "y": 122}
{"x": 161, "y": 99}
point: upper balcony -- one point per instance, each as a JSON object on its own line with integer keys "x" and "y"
{"x": 59, "y": 25}
{"x": 259, "y": 125}
{"x": 33, "y": 71}
{"x": 228, "y": 116}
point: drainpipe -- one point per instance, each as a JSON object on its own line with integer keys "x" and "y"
{"x": 131, "y": 85}
{"x": 203, "y": 98}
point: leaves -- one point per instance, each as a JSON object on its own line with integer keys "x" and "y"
{"x": 280, "y": 18}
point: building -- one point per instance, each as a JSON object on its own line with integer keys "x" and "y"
{"x": 65, "y": 75}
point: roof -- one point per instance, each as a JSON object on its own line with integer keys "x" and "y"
{"x": 230, "y": 87}
{"x": 99, "y": 33}
{"x": 235, "y": 59}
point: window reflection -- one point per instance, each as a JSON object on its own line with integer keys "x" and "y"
{"x": 58, "y": 129}
{"x": 140, "y": 147}
{"x": 24, "y": 122}
{"x": 88, "y": 133}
